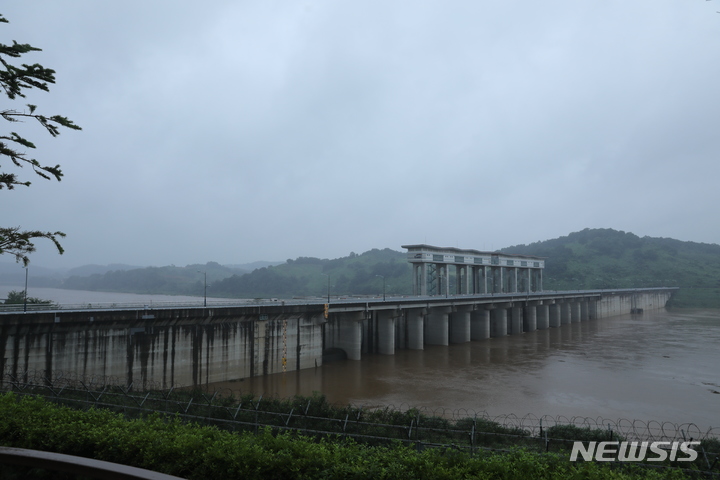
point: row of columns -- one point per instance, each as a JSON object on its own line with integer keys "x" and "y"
{"x": 386, "y": 330}
{"x": 434, "y": 279}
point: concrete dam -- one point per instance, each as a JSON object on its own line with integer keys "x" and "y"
{"x": 165, "y": 347}
{"x": 458, "y": 296}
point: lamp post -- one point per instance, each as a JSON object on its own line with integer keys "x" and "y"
{"x": 328, "y": 289}
{"x": 383, "y": 277}
{"x": 205, "y": 295}
{"x": 25, "y": 296}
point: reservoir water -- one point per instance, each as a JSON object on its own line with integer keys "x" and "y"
{"x": 658, "y": 366}
{"x": 83, "y": 297}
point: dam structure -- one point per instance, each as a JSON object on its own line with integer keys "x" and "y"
{"x": 475, "y": 271}
{"x": 143, "y": 347}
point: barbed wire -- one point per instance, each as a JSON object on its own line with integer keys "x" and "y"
{"x": 530, "y": 424}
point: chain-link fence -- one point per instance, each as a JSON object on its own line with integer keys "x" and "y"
{"x": 376, "y": 424}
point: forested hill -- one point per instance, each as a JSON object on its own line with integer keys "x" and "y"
{"x": 308, "y": 276}
{"x": 305, "y": 276}
{"x": 605, "y": 258}
{"x": 170, "y": 280}
{"x": 590, "y": 259}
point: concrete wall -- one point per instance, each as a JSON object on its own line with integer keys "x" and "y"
{"x": 612, "y": 304}
{"x": 160, "y": 352}
{"x": 194, "y": 347}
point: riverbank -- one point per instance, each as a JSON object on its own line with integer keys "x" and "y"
{"x": 657, "y": 367}
{"x": 191, "y": 451}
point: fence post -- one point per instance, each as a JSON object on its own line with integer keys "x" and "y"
{"x": 472, "y": 437}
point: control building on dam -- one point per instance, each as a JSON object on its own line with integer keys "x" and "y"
{"x": 474, "y": 271}
{"x": 164, "y": 347}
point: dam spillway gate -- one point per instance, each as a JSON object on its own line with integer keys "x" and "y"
{"x": 166, "y": 347}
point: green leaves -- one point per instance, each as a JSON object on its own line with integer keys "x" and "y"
{"x": 165, "y": 444}
{"x": 14, "y": 81}
{"x": 21, "y": 243}
{"x": 18, "y": 298}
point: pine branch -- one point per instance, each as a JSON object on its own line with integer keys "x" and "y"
{"x": 14, "y": 80}
{"x": 21, "y": 243}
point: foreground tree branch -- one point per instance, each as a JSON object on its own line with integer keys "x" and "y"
{"x": 14, "y": 81}
{"x": 20, "y": 243}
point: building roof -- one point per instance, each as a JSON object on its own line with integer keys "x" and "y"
{"x": 461, "y": 251}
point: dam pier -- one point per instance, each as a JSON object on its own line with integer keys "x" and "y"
{"x": 165, "y": 347}
{"x": 459, "y": 296}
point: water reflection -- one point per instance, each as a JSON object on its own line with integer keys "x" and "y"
{"x": 658, "y": 366}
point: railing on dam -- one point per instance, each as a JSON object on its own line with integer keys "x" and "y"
{"x": 334, "y": 301}
{"x": 197, "y": 345}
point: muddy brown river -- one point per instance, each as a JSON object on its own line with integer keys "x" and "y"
{"x": 661, "y": 366}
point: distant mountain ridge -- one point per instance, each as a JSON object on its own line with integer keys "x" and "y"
{"x": 87, "y": 270}
{"x": 355, "y": 274}
{"x": 606, "y": 258}
{"x": 589, "y": 259}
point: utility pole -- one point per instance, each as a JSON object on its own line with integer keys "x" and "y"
{"x": 205, "y": 295}
{"x": 25, "y": 299}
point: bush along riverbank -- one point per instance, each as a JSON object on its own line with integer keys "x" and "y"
{"x": 167, "y": 444}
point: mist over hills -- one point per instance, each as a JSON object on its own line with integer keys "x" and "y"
{"x": 589, "y": 259}
{"x": 606, "y": 258}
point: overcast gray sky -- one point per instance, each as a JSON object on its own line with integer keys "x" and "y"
{"x": 236, "y": 131}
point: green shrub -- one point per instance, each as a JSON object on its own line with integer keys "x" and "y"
{"x": 165, "y": 444}
{"x": 585, "y": 434}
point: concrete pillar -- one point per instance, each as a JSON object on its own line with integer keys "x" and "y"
{"x": 462, "y": 279}
{"x": 345, "y": 332}
{"x": 517, "y": 320}
{"x": 529, "y": 280}
{"x": 540, "y": 285}
{"x": 368, "y": 333}
{"x": 415, "y": 317}
{"x": 480, "y": 279}
{"x": 530, "y": 319}
{"x": 543, "y": 316}
{"x": 480, "y": 324}
{"x": 593, "y": 309}
{"x": 555, "y": 315}
{"x": 584, "y": 312}
{"x": 499, "y": 322}
{"x": 386, "y": 332}
{"x": 460, "y": 325}
{"x": 575, "y": 312}
{"x": 416, "y": 281}
{"x": 468, "y": 280}
{"x": 564, "y": 313}
{"x": 436, "y": 327}
{"x": 400, "y": 329}
{"x": 420, "y": 278}
{"x": 443, "y": 279}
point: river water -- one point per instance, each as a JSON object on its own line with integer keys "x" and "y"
{"x": 658, "y": 366}
{"x": 83, "y": 297}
